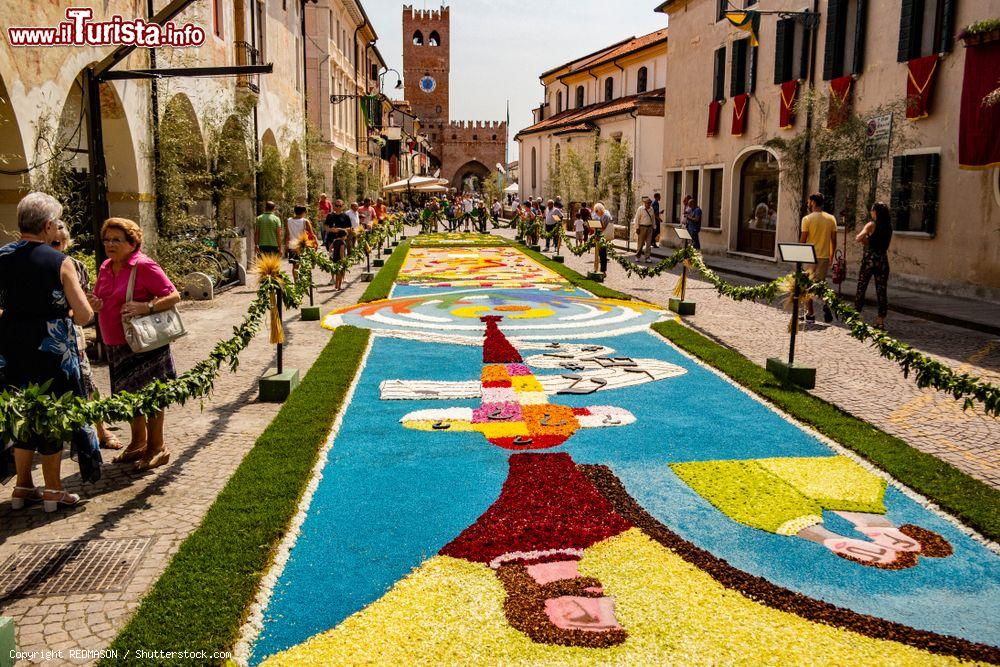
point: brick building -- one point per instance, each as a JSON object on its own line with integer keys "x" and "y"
{"x": 466, "y": 152}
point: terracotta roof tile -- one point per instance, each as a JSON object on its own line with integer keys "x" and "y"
{"x": 572, "y": 118}
{"x": 632, "y": 46}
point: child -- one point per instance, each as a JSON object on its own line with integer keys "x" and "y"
{"x": 578, "y": 227}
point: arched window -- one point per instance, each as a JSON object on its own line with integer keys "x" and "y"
{"x": 534, "y": 169}
{"x": 475, "y": 137}
{"x": 609, "y": 89}
{"x": 454, "y": 137}
{"x": 434, "y": 39}
{"x": 559, "y": 101}
{"x": 418, "y": 38}
{"x": 494, "y": 137}
{"x": 579, "y": 96}
{"x": 642, "y": 82}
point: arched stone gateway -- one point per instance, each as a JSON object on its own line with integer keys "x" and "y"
{"x": 470, "y": 177}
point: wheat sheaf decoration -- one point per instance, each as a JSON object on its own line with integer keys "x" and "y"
{"x": 269, "y": 268}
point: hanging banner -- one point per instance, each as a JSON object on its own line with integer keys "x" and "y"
{"x": 979, "y": 125}
{"x": 789, "y": 95}
{"x": 840, "y": 101}
{"x": 920, "y": 86}
{"x": 740, "y": 104}
{"x": 747, "y": 21}
{"x": 714, "y": 111}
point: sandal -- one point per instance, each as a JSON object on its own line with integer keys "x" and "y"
{"x": 129, "y": 455}
{"x": 111, "y": 443}
{"x": 861, "y": 551}
{"x": 62, "y": 500}
{"x": 33, "y": 496}
{"x": 889, "y": 537}
{"x": 155, "y": 461}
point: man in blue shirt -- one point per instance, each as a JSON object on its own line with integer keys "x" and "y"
{"x": 692, "y": 222}
{"x": 658, "y": 220}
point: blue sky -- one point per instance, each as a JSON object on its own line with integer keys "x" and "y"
{"x": 499, "y": 47}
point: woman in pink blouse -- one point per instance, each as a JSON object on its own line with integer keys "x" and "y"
{"x": 132, "y": 371}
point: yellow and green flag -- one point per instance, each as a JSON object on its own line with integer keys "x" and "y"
{"x": 748, "y": 21}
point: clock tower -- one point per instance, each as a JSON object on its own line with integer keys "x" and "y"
{"x": 427, "y": 63}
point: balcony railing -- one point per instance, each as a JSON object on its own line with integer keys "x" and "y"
{"x": 246, "y": 54}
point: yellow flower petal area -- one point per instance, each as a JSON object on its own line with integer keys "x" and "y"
{"x": 534, "y": 314}
{"x": 501, "y": 429}
{"x": 526, "y": 384}
{"x": 471, "y": 312}
{"x": 450, "y": 611}
{"x": 835, "y": 482}
{"x": 428, "y": 425}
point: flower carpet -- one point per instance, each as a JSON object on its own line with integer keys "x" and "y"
{"x": 525, "y": 475}
{"x": 501, "y": 266}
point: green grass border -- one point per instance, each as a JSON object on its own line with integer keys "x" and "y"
{"x": 201, "y": 599}
{"x": 969, "y": 499}
{"x": 597, "y": 289}
{"x": 380, "y": 287}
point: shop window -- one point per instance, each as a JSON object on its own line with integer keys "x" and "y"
{"x": 744, "y": 68}
{"x": 675, "y": 184}
{"x": 719, "y": 77}
{"x": 845, "y": 38}
{"x": 791, "y": 51}
{"x": 712, "y": 207}
{"x": 914, "y": 204}
{"x": 925, "y": 28}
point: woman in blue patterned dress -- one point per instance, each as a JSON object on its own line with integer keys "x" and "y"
{"x": 41, "y": 298}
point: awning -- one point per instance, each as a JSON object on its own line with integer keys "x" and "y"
{"x": 414, "y": 183}
{"x": 431, "y": 188}
{"x": 512, "y": 189}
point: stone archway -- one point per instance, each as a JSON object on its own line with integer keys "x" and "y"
{"x": 470, "y": 177}
{"x": 14, "y": 182}
{"x": 233, "y": 175}
{"x": 182, "y": 178}
{"x": 295, "y": 176}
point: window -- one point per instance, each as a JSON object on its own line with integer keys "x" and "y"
{"x": 261, "y": 31}
{"x": 914, "y": 202}
{"x": 418, "y": 38}
{"x": 217, "y": 17}
{"x": 454, "y": 137}
{"x": 841, "y": 201}
{"x": 298, "y": 65}
{"x": 712, "y": 208}
{"x": 845, "y": 38}
{"x": 642, "y": 81}
{"x": 675, "y": 183}
{"x": 559, "y": 101}
{"x": 534, "y": 169}
{"x": 791, "y": 51}
{"x": 721, "y": 7}
{"x": 434, "y": 39}
{"x": 579, "y": 96}
{"x": 692, "y": 178}
{"x": 609, "y": 89}
{"x": 744, "y": 76}
{"x": 925, "y": 27}
{"x": 475, "y": 137}
{"x": 719, "y": 78}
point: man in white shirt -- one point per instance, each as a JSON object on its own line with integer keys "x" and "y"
{"x": 352, "y": 213}
{"x": 553, "y": 218}
{"x": 645, "y": 222}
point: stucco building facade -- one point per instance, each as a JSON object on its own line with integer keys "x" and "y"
{"x": 947, "y": 219}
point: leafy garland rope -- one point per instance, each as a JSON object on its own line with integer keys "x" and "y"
{"x": 927, "y": 371}
{"x": 32, "y": 410}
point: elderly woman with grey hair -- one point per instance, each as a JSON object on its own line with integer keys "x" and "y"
{"x": 42, "y": 299}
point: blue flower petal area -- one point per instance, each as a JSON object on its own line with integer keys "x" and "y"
{"x": 390, "y": 498}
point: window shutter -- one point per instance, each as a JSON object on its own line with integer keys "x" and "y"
{"x": 931, "y": 189}
{"x": 781, "y": 37}
{"x": 720, "y": 74}
{"x": 830, "y": 54}
{"x": 899, "y": 203}
{"x": 860, "y": 30}
{"x": 737, "y": 79}
{"x": 948, "y": 26}
{"x": 907, "y": 16}
{"x": 805, "y": 55}
{"x": 828, "y": 184}
{"x": 752, "y": 71}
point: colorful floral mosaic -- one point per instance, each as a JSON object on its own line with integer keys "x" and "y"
{"x": 457, "y": 239}
{"x": 481, "y": 506}
{"x": 476, "y": 267}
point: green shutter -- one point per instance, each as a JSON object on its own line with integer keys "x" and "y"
{"x": 899, "y": 201}
{"x": 947, "y": 27}
{"x": 720, "y": 74}
{"x": 931, "y": 192}
{"x": 782, "y": 36}
{"x": 909, "y": 32}
{"x": 737, "y": 76}
{"x": 860, "y": 30}
{"x": 804, "y": 55}
{"x": 752, "y": 69}
{"x": 833, "y": 12}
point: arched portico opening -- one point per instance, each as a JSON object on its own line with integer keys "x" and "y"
{"x": 182, "y": 174}
{"x": 470, "y": 177}
{"x": 14, "y": 182}
{"x": 757, "y": 196}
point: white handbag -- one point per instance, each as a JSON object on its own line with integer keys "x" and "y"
{"x": 150, "y": 332}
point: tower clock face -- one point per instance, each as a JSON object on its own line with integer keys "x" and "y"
{"x": 428, "y": 84}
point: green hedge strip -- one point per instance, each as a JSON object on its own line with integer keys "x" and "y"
{"x": 967, "y": 498}
{"x": 200, "y": 601}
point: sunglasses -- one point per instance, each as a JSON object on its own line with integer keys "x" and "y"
{"x": 113, "y": 241}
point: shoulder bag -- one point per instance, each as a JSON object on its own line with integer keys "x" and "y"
{"x": 145, "y": 333}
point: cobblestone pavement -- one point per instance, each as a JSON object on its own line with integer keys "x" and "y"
{"x": 850, "y": 374}
{"x": 207, "y": 442}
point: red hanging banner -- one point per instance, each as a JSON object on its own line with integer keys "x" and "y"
{"x": 919, "y": 86}
{"x": 979, "y": 125}
{"x": 714, "y": 111}
{"x": 789, "y": 94}
{"x": 840, "y": 101}
{"x": 740, "y": 104}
